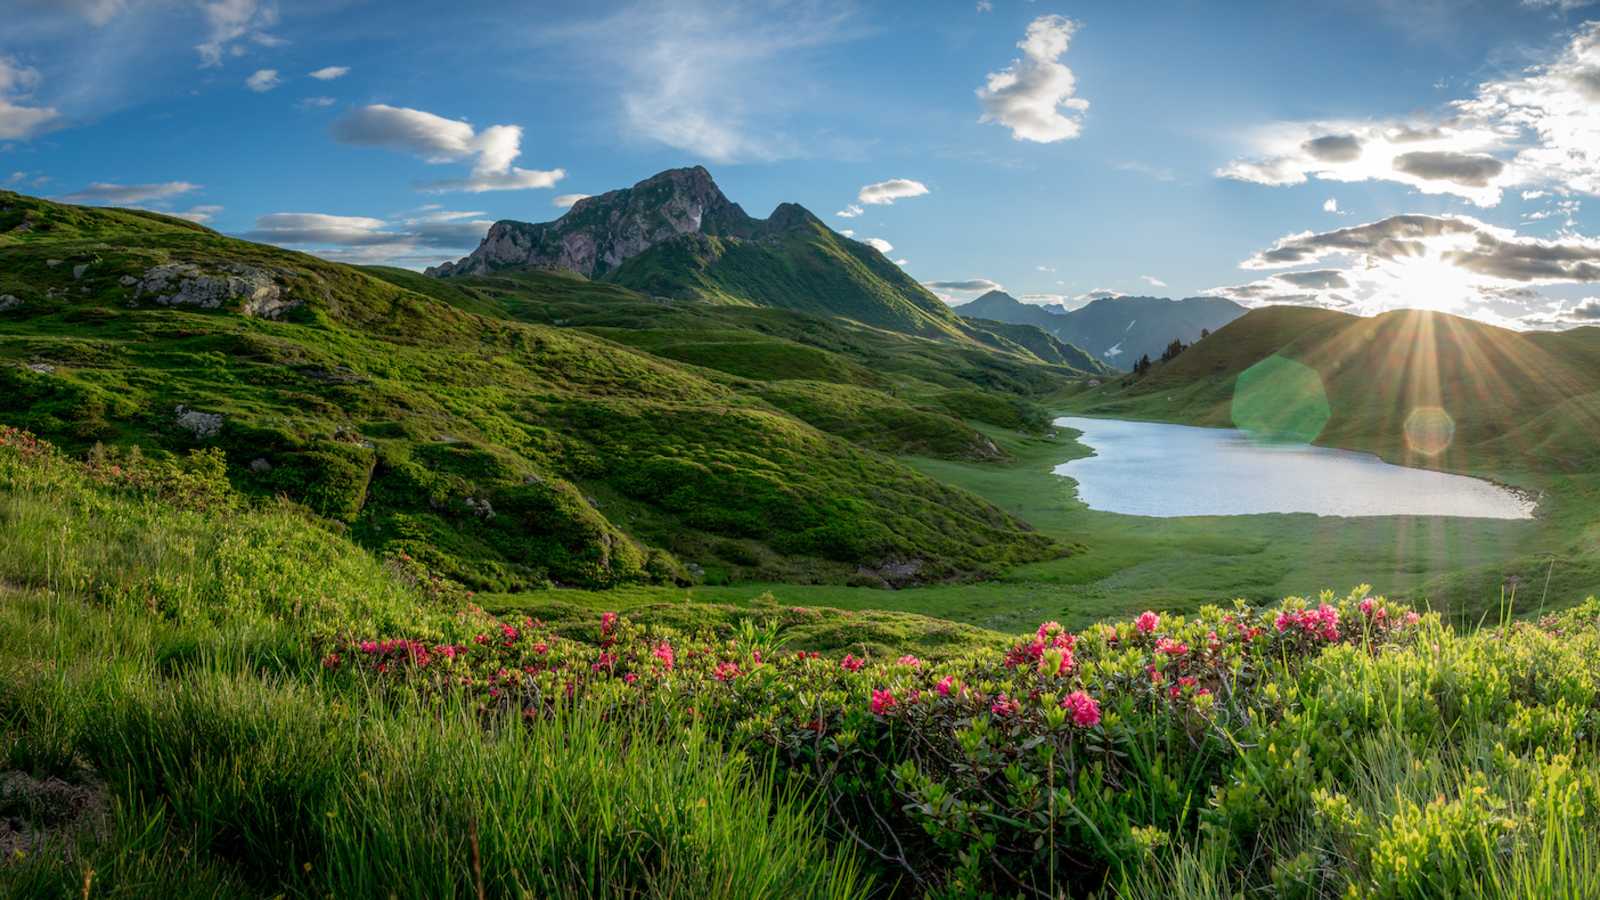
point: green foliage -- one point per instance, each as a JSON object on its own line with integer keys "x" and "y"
{"x": 431, "y": 418}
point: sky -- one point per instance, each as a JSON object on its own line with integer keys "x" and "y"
{"x": 1361, "y": 155}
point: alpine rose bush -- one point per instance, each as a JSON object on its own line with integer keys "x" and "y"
{"x": 954, "y": 773}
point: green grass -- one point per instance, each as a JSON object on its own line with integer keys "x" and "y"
{"x": 1122, "y": 564}
{"x": 169, "y": 660}
{"x": 508, "y": 452}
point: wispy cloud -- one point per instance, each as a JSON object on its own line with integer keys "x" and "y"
{"x": 329, "y": 73}
{"x": 104, "y": 193}
{"x": 17, "y": 119}
{"x": 427, "y": 236}
{"x": 263, "y": 80}
{"x": 711, "y": 77}
{"x": 230, "y": 21}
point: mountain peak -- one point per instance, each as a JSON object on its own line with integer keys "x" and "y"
{"x": 600, "y": 233}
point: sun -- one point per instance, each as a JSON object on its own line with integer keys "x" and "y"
{"x": 1424, "y": 282}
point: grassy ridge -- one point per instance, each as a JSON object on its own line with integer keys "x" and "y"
{"x": 506, "y": 453}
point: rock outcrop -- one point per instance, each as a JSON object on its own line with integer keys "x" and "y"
{"x": 254, "y": 291}
{"x": 599, "y": 233}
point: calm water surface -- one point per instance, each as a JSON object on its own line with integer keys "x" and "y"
{"x": 1151, "y": 469}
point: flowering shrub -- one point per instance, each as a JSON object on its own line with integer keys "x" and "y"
{"x": 959, "y": 773}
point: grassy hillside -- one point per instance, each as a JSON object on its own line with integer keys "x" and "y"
{"x": 504, "y": 453}
{"x": 1499, "y": 388}
{"x": 802, "y": 265}
{"x": 200, "y": 699}
{"x": 1417, "y": 388}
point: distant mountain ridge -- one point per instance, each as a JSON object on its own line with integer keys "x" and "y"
{"x": 677, "y": 235}
{"x": 1114, "y": 330}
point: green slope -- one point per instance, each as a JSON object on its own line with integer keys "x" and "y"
{"x": 801, "y": 265}
{"x": 424, "y": 418}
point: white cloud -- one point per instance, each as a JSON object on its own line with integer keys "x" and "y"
{"x": 416, "y": 240}
{"x": 1330, "y": 205}
{"x": 315, "y": 102}
{"x": 329, "y": 73}
{"x": 985, "y": 6}
{"x": 1099, "y": 294}
{"x": 102, "y": 193}
{"x": 1045, "y": 268}
{"x": 95, "y": 12}
{"x": 1450, "y": 263}
{"x": 263, "y": 80}
{"x": 19, "y": 121}
{"x": 229, "y": 21}
{"x": 28, "y": 179}
{"x": 198, "y": 214}
{"x": 1534, "y": 195}
{"x": 886, "y": 192}
{"x": 1034, "y": 96}
{"x": 1152, "y": 281}
{"x": 878, "y": 244}
{"x": 850, "y": 211}
{"x": 1537, "y": 129}
{"x": 439, "y": 140}
{"x": 848, "y": 232}
{"x": 902, "y": 263}
{"x": 564, "y": 201}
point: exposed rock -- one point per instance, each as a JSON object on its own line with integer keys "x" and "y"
{"x": 186, "y": 284}
{"x": 52, "y": 263}
{"x": 599, "y": 233}
{"x": 78, "y": 270}
{"x": 260, "y": 466}
{"x": 480, "y": 507}
{"x": 127, "y": 281}
{"x": 9, "y": 301}
{"x": 48, "y": 812}
{"x": 41, "y": 368}
{"x": 202, "y": 424}
{"x": 893, "y": 573}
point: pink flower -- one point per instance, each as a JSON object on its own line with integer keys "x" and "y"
{"x": 1366, "y": 606}
{"x": 630, "y": 678}
{"x": 1171, "y": 647}
{"x": 1049, "y": 629}
{"x": 943, "y": 687}
{"x": 851, "y": 663}
{"x": 1147, "y": 622}
{"x": 909, "y": 660}
{"x": 726, "y": 671}
{"x": 331, "y": 661}
{"x": 1084, "y": 708}
{"x": 509, "y": 631}
{"x": 664, "y": 653}
{"x": 541, "y": 648}
{"x": 369, "y": 646}
{"x": 608, "y": 621}
{"x": 1412, "y": 618}
{"x": 1005, "y": 706}
{"x": 882, "y": 701}
{"x": 1055, "y": 662}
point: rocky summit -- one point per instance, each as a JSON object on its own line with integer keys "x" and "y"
{"x": 599, "y": 233}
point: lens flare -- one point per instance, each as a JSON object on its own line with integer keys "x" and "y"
{"x": 1279, "y": 400}
{"x": 1429, "y": 430}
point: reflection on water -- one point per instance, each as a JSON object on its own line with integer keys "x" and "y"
{"x": 1150, "y": 469}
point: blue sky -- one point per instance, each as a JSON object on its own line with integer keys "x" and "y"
{"x": 1359, "y": 155}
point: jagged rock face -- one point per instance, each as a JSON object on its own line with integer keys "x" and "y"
{"x": 599, "y": 233}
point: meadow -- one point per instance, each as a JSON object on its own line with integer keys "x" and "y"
{"x": 207, "y": 697}
{"x": 1118, "y": 564}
